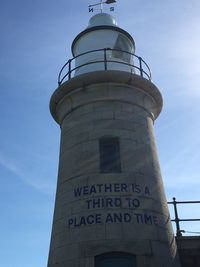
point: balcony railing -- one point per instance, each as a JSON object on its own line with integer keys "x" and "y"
{"x": 136, "y": 64}
{"x": 177, "y": 220}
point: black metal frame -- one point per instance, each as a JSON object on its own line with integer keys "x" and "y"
{"x": 176, "y": 219}
{"x": 66, "y": 71}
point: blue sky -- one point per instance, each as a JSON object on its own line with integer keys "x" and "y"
{"x": 36, "y": 39}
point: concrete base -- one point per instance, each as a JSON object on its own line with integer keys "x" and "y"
{"x": 189, "y": 250}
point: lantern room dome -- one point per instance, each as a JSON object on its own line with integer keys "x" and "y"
{"x": 102, "y": 19}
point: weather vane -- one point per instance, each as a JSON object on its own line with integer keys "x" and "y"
{"x": 91, "y": 7}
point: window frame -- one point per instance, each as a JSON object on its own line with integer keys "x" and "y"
{"x": 100, "y": 259}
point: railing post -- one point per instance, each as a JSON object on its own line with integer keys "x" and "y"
{"x": 69, "y": 75}
{"x": 105, "y": 59}
{"x": 178, "y": 230}
{"x": 59, "y": 82}
{"x": 140, "y": 62}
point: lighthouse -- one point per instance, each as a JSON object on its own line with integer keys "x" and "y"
{"x": 110, "y": 207}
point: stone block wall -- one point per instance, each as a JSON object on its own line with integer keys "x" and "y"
{"x": 98, "y": 212}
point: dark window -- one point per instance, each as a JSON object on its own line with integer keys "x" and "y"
{"x": 109, "y": 155}
{"x": 115, "y": 259}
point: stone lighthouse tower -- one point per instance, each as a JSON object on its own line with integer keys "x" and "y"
{"x": 110, "y": 208}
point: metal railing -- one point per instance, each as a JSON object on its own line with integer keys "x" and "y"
{"x": 177, "y": 220}
{"x": 138, "y": 65}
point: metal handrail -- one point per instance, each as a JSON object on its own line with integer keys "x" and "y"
{"x": 67, "y": 69}
{"x": 177, "y": 220}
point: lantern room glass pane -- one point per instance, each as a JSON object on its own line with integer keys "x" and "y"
{"x": 123, "y": 44}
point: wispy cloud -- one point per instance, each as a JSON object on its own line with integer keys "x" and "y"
{"x": 182, "y": 170}
{"x": 36, "y": 179}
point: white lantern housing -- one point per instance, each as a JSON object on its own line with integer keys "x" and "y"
{"x": 102, "y": 46}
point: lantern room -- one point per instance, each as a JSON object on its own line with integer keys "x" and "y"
{"x": 103, "y": 42}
